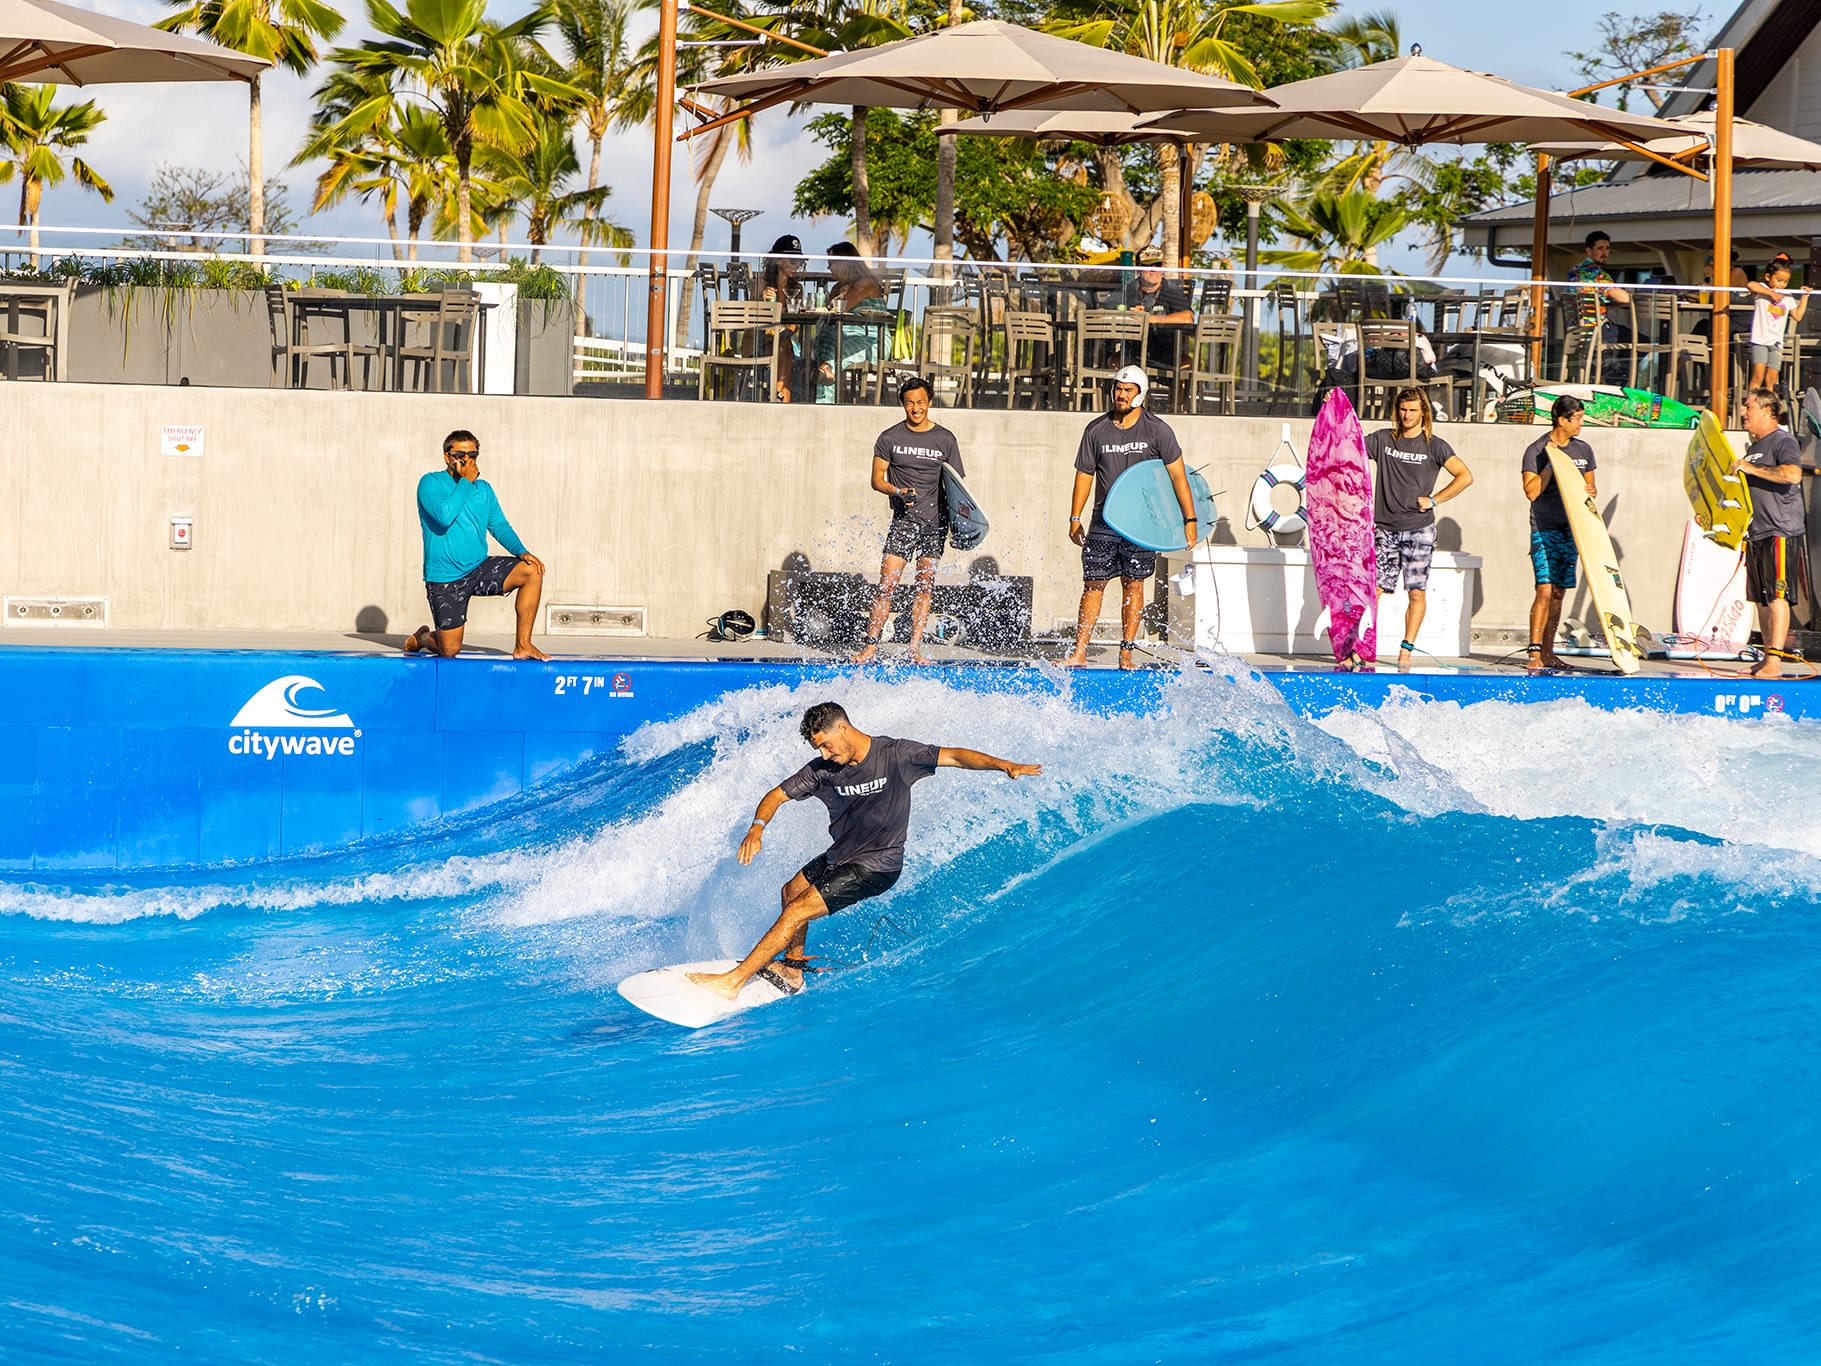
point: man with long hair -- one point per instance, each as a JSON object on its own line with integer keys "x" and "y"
{"x": 1409, "y": 457}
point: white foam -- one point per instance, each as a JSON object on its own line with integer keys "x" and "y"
{"x": 1748, "y": 782}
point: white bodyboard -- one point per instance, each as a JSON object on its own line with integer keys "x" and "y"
{"x": 669, "y": 994}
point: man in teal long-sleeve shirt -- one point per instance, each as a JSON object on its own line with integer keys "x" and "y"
{"x": 457, "y": 510}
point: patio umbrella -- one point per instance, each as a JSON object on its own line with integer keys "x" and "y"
{"x": 1753, "y": 144}
{"x": 986, "y": 67}
{"x": 54, "y": 44}
{"x": 1413, "y": 100}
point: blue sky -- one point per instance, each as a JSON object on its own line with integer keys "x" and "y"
{"x": 205, "y": 125}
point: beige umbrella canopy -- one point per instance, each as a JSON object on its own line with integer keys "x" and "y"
{"x": 1104, "y": 128}
{"x": 986, "y": 67}
{"x": 1413, "y": 100}
{"x": 1753, "y": 144}
{"x": 53, "y": 44}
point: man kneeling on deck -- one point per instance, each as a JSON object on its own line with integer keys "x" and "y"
{"x": 865, "y": 782}
{"x": 456, "y": 509}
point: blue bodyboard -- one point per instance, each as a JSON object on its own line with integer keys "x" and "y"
{"x": 967, "y": 524}
{"x": 1141, "y": 506}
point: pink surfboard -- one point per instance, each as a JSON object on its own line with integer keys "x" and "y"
{"x": 1338, "y": 504}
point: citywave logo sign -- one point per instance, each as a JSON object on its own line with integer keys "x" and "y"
{"x": 316, "y": 732}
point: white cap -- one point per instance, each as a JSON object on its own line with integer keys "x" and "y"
{"x": 1133, "y": 374}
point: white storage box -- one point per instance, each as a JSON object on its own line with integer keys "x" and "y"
{"x": 1252, "y": 600}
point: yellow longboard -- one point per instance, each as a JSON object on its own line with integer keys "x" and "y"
{"x": 1599, "y": 563}
{"x": 1720, "y": 498}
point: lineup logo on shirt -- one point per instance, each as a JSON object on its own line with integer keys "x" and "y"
{"x": 863, "y": 789}
{"x": 312, "y": 732}
{"x": 920, "y": 452}
{"x": 1124, "y": 447}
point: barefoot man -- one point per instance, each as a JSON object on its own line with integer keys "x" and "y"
{"x": 865, "y": 782}
{"x": 1113, "y": 443}
{"x": 457, "y": 509}
{"x": 907, "y": 468}
{"x": 1776, "y": 543}
{"x": 1409, "y": 459}
{"x": 1552, "y": 553}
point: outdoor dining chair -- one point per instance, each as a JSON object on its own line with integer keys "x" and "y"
{"x": 1105, "y": 340}
{"x": 30, "y": 327}
{"x": 1395, "y": 339}
{"x": 445, "y": 336}
{"x": 946, "y": 351}
{"x": 1214, "y": 361}
{"x": 1030, "y": 343}
{"x": 740, "y": 343}
{"x": 306, "y": 325}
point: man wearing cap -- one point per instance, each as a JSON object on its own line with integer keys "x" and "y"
{"x": 907, "y": 468}
{"x": 1112, "y": 444}
{"x": 1150, "y": 293}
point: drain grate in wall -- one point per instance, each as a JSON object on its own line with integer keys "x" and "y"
{"x": 594, "y": 621}
{"x": 53, "y": 611}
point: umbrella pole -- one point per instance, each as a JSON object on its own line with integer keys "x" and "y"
{"x": 655, "y": 324}
{"x": 1185, "y": 195}
{"x": 1719, "y": 333}
{"x": 1539, "y": 267}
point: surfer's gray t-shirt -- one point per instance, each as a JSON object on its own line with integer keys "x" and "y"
{"x": 916, "y": 463}
{"x": 868, "y": 802}
{"x": 1776, "y": 509}
{"x": 1109, "y": 450}
{"x": 1408, "y": 469}
{"x": 1547, "y": 513}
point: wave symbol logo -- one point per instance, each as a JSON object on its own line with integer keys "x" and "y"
{"x": 276, "y": 706}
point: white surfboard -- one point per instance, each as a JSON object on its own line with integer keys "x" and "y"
{"x": 1710, "y": 594}
{"x": 669, "y": 994}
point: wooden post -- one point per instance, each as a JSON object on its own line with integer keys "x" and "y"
{"x": 1719, "y": 333}
{"x": 655, "y": 324}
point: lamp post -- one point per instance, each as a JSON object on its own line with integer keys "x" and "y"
{"x": 1256, "y": 197}
{"x": 735, "y": 217}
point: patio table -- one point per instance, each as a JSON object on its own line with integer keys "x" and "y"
{"x": 48, "y": 301}
{"x": 390, "y": 313}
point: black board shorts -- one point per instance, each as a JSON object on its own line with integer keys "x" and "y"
{"x": 846, "y": 884}
{"x": 449, "y": 601}
{"x": 911, "y": 538}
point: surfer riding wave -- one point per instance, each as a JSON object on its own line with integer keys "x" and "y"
{"x": 865, "y": 782}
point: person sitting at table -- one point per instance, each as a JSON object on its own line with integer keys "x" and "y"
{"x": 857, "y": 290}
{"x": 1601, "y": 290}
{"x": 778, "y": 283}
{"x": 1148, "y": 292}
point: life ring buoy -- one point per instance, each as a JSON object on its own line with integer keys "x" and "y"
{"x": 1267, "y": 517}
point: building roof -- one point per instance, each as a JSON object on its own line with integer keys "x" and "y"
{"x": 1770, "y": 208}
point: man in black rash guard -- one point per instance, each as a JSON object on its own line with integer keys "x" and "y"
{"x": 865, "y": 782}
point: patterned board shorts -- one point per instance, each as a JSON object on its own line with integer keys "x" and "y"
{"x": 1774, "y": 567}
{"x": 1553, "y": 558}
{"x": 911, "y": 539}
{"x": 1410, "y": 551}
{"x": 449, "y": 601}
{"x": 1108, "y": 555}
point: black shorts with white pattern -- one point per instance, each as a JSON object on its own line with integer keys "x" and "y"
{"x": 449, "y": 601}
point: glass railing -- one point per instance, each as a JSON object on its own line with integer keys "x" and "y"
{"x": 173, "y": 306}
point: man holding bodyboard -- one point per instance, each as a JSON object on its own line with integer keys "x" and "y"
{"x": 865, "y": 782}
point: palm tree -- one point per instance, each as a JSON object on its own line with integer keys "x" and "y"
{"x": 477, "y": 77}
{"x": 1184, "y": 33}
{"x": 406, "y": 156}
{"x": 1344, "y": 231}
{"x": 33, "y": 134}
{"x": 598, "y": 63}
{"x": 284, "y": 32}
{"x": 535, "y": 184}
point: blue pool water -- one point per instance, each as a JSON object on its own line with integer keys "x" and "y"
{"x": 1425, "y": 1033}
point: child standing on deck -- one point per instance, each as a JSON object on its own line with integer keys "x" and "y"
{"x": 1771, "y": 312}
